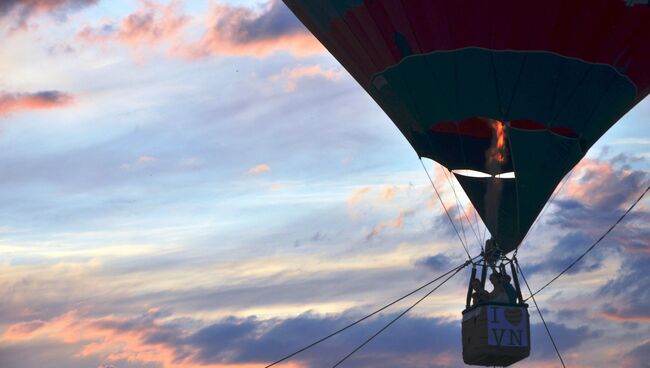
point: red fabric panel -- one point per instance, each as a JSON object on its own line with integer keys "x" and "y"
{"x": 527, "y": 125}
{"x": 597, "y": 31}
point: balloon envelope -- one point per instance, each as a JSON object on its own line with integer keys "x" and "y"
{"x": 494, "y": 86}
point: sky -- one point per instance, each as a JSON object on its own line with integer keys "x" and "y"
{"x": 200, "y": 184}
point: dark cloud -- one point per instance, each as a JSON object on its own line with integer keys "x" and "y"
{"x": 45, "y": 354}
{"x": 276, "y": 21}
{"x": 638, "y": 357}
{"x": 567, "y": 249}
{"x": 566, "y": 338}
{"x": 12, "y": 102}
{"x": 591, "y": 205}
{"x": 629, "y": 290}
{"x": 247, "y": 340}
{"x": 438, "y": 262}
{"x": 412, "y": 341}
{"x": 238, "y": 30}
{"x": 21, "y": 10}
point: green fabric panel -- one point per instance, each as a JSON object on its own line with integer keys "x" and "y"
{"x": 583, "y": 102}
{"x": 343, "y": 6}
{"x": 541, "y": 160}
{"x": 539, "y": 86}
{"x": 533, "y": 95}
{"x": 477, "y": 90}
{"x": 507, "y": 67}
{"x": 612, "y": 106}
{"x": 571, "y": 75}
{"x": 429, "y": 102}
{"x": 426, "y": 90}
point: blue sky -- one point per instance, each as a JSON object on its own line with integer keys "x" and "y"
{"x": 200, "y": 184}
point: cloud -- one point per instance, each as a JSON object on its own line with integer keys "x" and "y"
{"x": 637, "y": 357}
{"x": 261, "y": 168}
{"x": 596, "y": 196}
{"x": 22, "y": 10}
{"x": 292, "y": 75}
{"x": 15, "y": 102}
{"x": 565, "y": 251}
{"x": 228, "y": 31}
{"x": 394, "y": 223}
{"x": 566, "y": 338}
{"x": 627, "y": 295}
{"x": 605, "y": 185}
{"x": 148, "y": 26}
{"x": 139, "y": 163}
{"x": 438, "y": 262}
{"x": 356, "y": 196}
{"x": 388, "y": 193}
{"x": 244, "y": 342}
{"x": 153, "y": 338}
{"x": 241, "y": 31}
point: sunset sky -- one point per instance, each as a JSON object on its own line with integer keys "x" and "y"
{"x": 200, "y": 184}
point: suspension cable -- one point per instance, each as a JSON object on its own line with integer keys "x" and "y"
{"x": 460, "y": 204}
{"x": 445, "y": 208}
{"x": 548, "y": 331}
{"x": 458, "y": 269}
{"x": 462, "y": 226}
{"x": 592, "y": 246}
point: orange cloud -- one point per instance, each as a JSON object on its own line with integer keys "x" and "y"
{"x": 14, "y": 102}
{"x": 388, "y": 193}
{"x": 261, "y": 168}
{"x": 395, "y": 223}
{"x": 356, "y": 196}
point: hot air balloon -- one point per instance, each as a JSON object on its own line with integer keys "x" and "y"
{"x": 516, "y": 90}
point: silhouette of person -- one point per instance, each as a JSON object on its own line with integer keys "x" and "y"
{"x": 509, "y": 289}
{"x": 498, "y": 294}
{"x": 479, "y": 295}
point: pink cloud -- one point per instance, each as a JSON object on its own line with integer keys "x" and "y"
{"x": 228, "y": 31}
{"x": 620, "y": 318}
{"x": 241, "y": 31}
{"x": 113, "y": 339}
{"x": 15, "y": 102}
{"x": 23, "y": 330}
{"x": 601, "y": 184}
{"x": 148, "y": 26}
{"x": 394, "y": 223}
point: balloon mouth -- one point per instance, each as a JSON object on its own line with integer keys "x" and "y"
{"x": 480, "y": 174}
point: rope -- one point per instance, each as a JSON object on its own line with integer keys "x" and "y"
{"x": 462, "y": 227}
{"x": 458, "y": 269}
{"x": 591, "y": 247}
{"x": 458, "y": 202}
{"x": 445, "y": 208}
{"x": 548, "y": 331}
